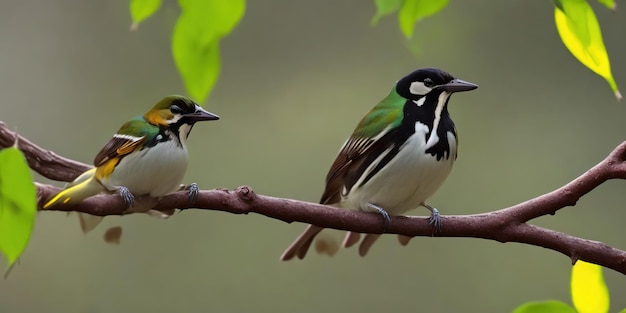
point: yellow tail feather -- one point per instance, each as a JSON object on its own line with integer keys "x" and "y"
{"x": 84, "y": 186}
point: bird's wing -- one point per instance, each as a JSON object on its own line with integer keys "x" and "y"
{"x": 335, "y": 177}
{"x": 128, "y": 138}
{"x": 118, "y": 145}
{"x": 356, "y": 155}
{"x": 372, "y": 137}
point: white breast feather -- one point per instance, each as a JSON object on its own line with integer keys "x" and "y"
{"x": 156, "y": 171}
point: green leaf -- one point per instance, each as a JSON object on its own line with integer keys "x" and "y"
{"x": 18, "y": 203}
{"x": 140, "y": 10}
{"x": 385, "y": 7}
{"x": 544, "y": 307}
{"x": 580, "y": 32}
{"x": 622, "y": 311}
{"x": 589, "y": 292}
{"x": 413, "y": 11}
{"x": 609, "y": 4}
{"x": 196, "y": 38}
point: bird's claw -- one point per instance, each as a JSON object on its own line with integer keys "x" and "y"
{"x": 127, "y": 196}
{"x": 194, "y": 191}
{"x": 386, "y": 218}
{"x": 435, "y": 220}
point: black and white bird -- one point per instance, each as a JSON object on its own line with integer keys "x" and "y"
{"x": 400, "y": 153}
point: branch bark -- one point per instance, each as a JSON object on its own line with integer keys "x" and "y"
{"x": 505, "y": 225}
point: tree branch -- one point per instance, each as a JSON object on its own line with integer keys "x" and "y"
{"x": 505, "y": 225}
{"x": 44, "y": 162}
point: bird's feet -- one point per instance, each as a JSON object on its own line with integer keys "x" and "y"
{"x": 193, "y": 190}
{"x": 435, "y": 219}
{"x": 127, "y": 196}
{"x": 381, "y": 211}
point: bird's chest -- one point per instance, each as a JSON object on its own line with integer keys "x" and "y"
{"x": 411, "y": 177}
{"x": 154, "y": 171}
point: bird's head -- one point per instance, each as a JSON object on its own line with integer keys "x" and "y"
{"x": 430, "y": 83}
{"x": 177, "y": 110}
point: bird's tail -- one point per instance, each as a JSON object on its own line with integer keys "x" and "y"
{"x": 82, "y": 187}
{"x": 301, "y": 245}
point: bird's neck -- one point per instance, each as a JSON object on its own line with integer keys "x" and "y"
{"x": 430, "y": 117}
{"x": 178, "y": 132}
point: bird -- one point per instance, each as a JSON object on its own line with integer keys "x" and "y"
{"x": 147, "y": 157}
{"x": 398, "y": 155}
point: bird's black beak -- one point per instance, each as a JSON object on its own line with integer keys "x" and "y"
{"x": 201, "y": 115}
{"x": 457, "y": 85}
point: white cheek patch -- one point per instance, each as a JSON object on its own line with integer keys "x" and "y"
{"x": 418, "y": 88}
{"x": 174, "y": 119}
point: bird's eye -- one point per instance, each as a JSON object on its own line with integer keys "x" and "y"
{"x": 428, "y": 82}
{"x": 176, "y": 109}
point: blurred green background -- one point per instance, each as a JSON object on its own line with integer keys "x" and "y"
{"x": 296, "y": 78}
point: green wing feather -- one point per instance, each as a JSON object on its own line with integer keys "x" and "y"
{"x": 139, "y": 132}
{"x": 388, "y": 112}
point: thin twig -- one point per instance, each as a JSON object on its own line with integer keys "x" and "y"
{"x": 505, "y": 225}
